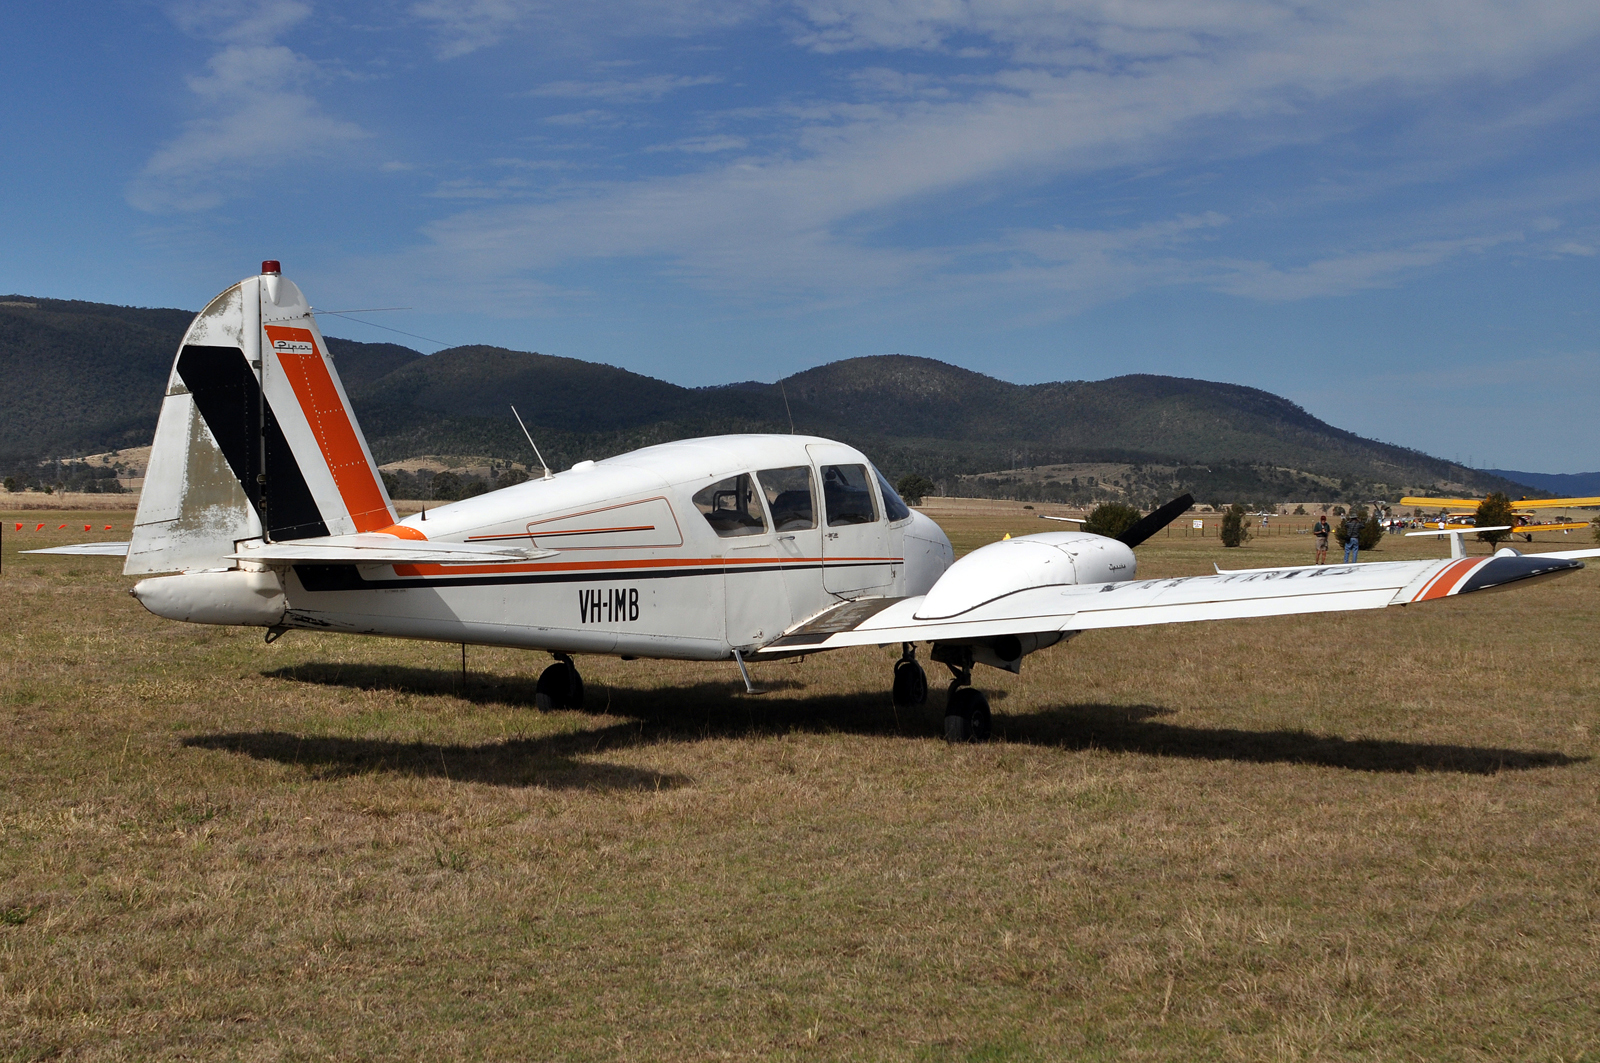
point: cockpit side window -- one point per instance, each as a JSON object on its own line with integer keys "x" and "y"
{"x": 789, "y": 497}
{"x": 894, "y": 506}
{"x": 847, "y": 496}
{"x": 731, "y": 507}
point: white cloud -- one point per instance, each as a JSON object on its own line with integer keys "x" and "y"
{"x": 465, "y": 26}
{"x": 709, "y": 145}
{"x": 591, "y": 117}
{"x": 1065, "y": 91}
{"x": 639, "y": 89}
{"x": 239, "y": 21}
{"x": 1346, "y": 273}
{"x": 257, "y": 114}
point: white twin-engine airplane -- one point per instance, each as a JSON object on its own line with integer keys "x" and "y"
{"x": 261, "y": 493}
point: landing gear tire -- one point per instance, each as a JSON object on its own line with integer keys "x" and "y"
{"x": 910, "y": 684}
{"x": 559, "y": 687}
{"x": 966, "y": 716}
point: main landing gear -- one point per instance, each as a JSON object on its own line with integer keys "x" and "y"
{"x": 966, "y": 713}
{"x": 966, "y": 710}
{"x": 910, "y": 681}
{"x": 559, "y": 687}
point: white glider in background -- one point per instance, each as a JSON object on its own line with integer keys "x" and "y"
{"x": 263, "y": 498}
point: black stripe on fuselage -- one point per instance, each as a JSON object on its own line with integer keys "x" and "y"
{"x": 228, "y": 397}
{"x": 349, "y": 578}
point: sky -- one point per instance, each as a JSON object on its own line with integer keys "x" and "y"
{"x": 1388, "y": 213}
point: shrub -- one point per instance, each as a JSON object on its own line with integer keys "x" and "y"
{"x": 1111, "y": 519}
{"x": 914, "y": 487}
{"x": 1235, "y": 532}
{"x": 1341, "y": 528}
{"x": 1299, "y": 511}
{"x": 1371, "y": 532}
{"x": 445, "y": 487}
{"x": 1492, "y": 511}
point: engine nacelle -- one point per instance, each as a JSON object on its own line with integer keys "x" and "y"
{"x": 1050, "y": 559}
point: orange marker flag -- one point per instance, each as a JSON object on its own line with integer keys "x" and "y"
{"x": 86, "y": 527}
{"x": 62, "y": 526}
{"x": 108, "y": 527}
{"x": 39, "y": 528}
{"x": 19, "y": 525}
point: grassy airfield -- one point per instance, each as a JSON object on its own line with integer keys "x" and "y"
{"x": 1355, "y": 836}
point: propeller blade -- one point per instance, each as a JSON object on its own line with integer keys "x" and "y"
{"x": 1154, "y": 522}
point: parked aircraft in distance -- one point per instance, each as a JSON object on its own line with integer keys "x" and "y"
{"x": 262, "y": 496}
{"x": 1524, "y": 508}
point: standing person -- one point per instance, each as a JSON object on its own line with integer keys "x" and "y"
{"x": 1352, "y": 542}
{"x": 1321, "y": 529}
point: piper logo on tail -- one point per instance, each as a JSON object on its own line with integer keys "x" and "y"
{"x": 293, "y": 347}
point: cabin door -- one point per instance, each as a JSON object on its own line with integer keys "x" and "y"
{"x": 856, "y": 551}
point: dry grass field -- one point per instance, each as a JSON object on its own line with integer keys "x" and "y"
{"x": 1368, "y": 836}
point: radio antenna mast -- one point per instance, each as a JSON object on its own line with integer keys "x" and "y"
{"x": 785, "y": 393}
{"x": 531, "y": 443}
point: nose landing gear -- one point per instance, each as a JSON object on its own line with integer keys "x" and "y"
{"x": 559, "y": 687}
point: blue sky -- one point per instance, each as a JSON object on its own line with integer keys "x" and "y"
{"x": 1387, "y": 212}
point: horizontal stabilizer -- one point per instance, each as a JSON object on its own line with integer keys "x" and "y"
{"x": 376, "y": 548}
{"x": 87, "y": 550}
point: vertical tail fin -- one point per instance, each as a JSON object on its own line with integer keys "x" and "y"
{"x": 256, "y": 437}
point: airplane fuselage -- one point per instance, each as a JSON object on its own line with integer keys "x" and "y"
{"x": 687, "y": 550}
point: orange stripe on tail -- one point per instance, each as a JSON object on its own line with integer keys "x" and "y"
{"x": 330, "y": 423}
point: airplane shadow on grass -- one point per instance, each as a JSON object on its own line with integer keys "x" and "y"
{"x": 718, "y": 710}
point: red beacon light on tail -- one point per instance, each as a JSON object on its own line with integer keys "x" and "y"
{"x": 271, "y": 266}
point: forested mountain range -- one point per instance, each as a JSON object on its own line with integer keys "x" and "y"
{"x": 83, "y": 377}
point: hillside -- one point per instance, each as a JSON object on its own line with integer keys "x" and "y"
{"x": 85, "y": 377}
{"x": 1561, "y": 484}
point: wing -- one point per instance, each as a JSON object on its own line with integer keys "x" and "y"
{"x": 1572, "y": 525}
{"x": 1517, "y": 504}
{"x": 376, "y": 548}
{"x": 1442, "y": 503}
{"x": 87, "y": 550}
{"x": 1225, "y": 596}
{"x": 1555, "y": 503}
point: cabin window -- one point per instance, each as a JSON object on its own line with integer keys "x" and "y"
{"x": 847, "y": 496}
{"x": 789, "y": 497}
{"x": 894, "y": 506}
{"x": 731, "y": 508}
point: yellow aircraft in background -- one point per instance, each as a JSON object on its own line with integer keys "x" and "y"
{"x": 1523, "y": 507}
